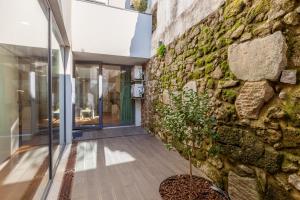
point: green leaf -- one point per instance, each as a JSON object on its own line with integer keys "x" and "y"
{"x": 169, "y": 146}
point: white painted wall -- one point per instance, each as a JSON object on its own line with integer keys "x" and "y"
{"x": 23, "y": 23}
{"x": 182, "y": 5}
{"x": 138, "y": 112}
{"x": 68, "y": 59}
{"x": 117, "y": 3}
{"x": 66, "y": 9}
{"x": 105, "y": 30}
{"x": 177, "y": 16}
{"x": 120, "y": 3}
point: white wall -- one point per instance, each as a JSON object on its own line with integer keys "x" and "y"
{"x": 104, "y": 30}
{"x": 120, "y": 3}
{"x": 117, "y": 3}
{"x": 182, "y": 5}
{"x": 66, "y": 9}
{"x": 138, "y": 112}
{"x": 177, "y": 16}
{"x": 22, "y": 24}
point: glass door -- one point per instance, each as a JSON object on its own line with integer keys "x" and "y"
{"x": 117, "y": 102}
{"x": 102, "y": 96}
{"x": 111, "y": 94}
{"x": 87, "y": 95}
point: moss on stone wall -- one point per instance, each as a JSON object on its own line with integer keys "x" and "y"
{"x": 266, "y": 144}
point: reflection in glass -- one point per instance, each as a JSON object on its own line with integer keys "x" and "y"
{"x": 111, "y": 84}
{"x": 126, "y": 102}
{"x": 111, "y": 94}
{"x": 117, "y": 102}
{"x": 87, "y": 95}
{"x": 57, "y": 89}
{"x": 24, "y": 154}
{"x": 23, "y": 121}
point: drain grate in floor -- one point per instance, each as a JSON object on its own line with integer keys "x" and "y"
{"x": 66, "y": 187}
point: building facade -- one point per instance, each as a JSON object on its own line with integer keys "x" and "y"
{"x": 73, "y": 65}
{"x": 65, "y": 65}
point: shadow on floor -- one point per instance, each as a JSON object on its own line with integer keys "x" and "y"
{"x": 111, "y": 133}
{"x": 127, "y": 164}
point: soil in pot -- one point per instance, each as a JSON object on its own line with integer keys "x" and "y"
{"x": 180, "y": 187}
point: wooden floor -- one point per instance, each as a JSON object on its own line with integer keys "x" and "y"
{"x": 124, "y": 168}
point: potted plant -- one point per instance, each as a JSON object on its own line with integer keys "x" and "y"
{"x": 187, "y": 118}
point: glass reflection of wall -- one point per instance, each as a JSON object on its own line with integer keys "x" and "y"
{"x": 111, "y": 95}
{"x": 24, "y": 141}
{"x": 57, "y": 93}
{"x": 23, "y": 120}
{"x": 126, "y": 102}
{"x": 117, "y": 102}
{"x": 32, "y": 99}
{"x": 87, "y": 95}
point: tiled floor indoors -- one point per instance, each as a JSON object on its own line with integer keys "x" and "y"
{"x": 125, "y": 167}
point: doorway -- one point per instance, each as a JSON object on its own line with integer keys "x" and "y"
{"x": 87, "y": 95}
{"x": 102, "y": 96}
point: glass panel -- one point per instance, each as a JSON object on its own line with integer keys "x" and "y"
{"x": 24, "y": 158}
{"x": 57, "y": 93}
{"x": 127, "y": 103}
{"x": 111, "y": 94}
{"x": 87, "y": 95}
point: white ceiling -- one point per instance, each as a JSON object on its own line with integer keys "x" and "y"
{"x": 24, "y": 51}
{"x": 111, "y": 59}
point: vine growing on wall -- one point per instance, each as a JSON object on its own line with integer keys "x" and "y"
{"x": 161, "y": 50}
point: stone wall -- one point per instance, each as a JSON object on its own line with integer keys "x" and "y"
{"x": 246, "y": 56}
{"x": 177, "y": 16}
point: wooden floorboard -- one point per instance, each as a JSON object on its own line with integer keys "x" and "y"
{"x": 124, "y": 168}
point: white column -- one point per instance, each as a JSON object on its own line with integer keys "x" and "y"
{"x": 138, "y": 112}
{"x": 68, "y": 95}
{"x": 61, "y": 91}
{"x": 32, "y": 91}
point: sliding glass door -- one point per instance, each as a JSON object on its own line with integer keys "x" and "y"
{"x": 111, "y": 94}
{"x": 31, "y": 98}
{"x": 103, "y": 96}
{"x": 117, "y": 102}
{"x": 87, "y": 95}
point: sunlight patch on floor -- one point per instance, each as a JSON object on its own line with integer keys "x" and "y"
{"x": 115, "y": 157}
{"x": 27, "y": 166}
{"x": 86, "y": 158}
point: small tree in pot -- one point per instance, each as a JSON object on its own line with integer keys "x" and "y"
{"x": 188, "y": 119}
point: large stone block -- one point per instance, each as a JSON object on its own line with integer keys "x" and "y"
{"x": 191, "y": 85}
{"x": 242, "y": 188}
{"x": 289, "y": 76}
{"x": 166, "y": 97}
{"x": 294, "y": 180}
{"x": 259, "y": 59}
{"x": 271, "y": 161}
{"x": 252, "y": 97}
{"x": 229, "y": 135}
{"x": 291, "y": 137}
